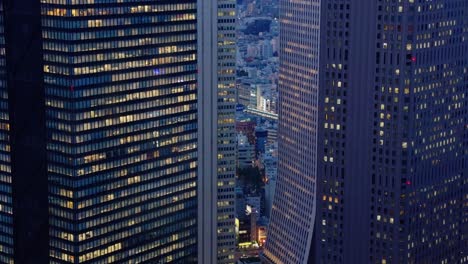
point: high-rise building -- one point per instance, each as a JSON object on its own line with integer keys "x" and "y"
{"x": 217, "y": 141}
{"x": 226, "y": 153}
{"x": 98, "y": 131}
{"x": 391, "y": 178}
{"x": 293, "y": 211}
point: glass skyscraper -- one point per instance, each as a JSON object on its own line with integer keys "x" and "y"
{"x": 105, "y": 155}
{"x": 392, "y": 156}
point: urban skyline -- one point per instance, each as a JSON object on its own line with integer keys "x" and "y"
{"x": 233, "y": 131}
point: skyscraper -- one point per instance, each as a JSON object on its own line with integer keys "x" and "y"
{"x": 293, "y": 211}
{"x": 217, "y": 58}
{"x": 392, "y": 162}
{"x": 98, "y": 131}
{"x": 226, "y": 152}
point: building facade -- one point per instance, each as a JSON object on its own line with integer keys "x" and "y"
{"x": 392, "y": 161}
{"x": 394, "y": 135}
{"x": 122, "y": 149}
{"x": 227, "y": 94}
{"x": 293, "y": 211}
{"x": 217, "y": 142}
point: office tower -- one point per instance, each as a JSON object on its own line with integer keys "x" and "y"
{"x": 293, "y": 211}
{"x": 226, "y": 152}
{"x": 217, "y": 142}
{"x": 392, "y": 161}
{"x": 99, "y": 104}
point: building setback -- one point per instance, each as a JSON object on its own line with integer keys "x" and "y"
{"x": 392, "y": 162}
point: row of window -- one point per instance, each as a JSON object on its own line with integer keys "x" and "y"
{"x": 114, "y": 55}
{"x": 116, "y": 10}
{"x": 106, "y": 45}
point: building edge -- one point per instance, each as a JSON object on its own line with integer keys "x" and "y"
{"x": 207, "y": 130}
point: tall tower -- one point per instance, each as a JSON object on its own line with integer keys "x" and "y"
{"x": 293, "y": 212}
{"x": 120, "y": 82}
{"x": 99, "y": 131}
{"x": 226, "y": 150}
{"x": 393, "y": 95}
{"x": 217, "y": 51}
{"x": 392, "y": 159}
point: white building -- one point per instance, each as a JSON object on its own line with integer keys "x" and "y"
{"x": 245, "y": 152}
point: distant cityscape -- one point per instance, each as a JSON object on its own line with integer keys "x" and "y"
{"x": 256, "y": 124}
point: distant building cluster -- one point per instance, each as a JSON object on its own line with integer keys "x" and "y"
{"x": 256, "y": 121}
{"x": 257, "y": 56}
